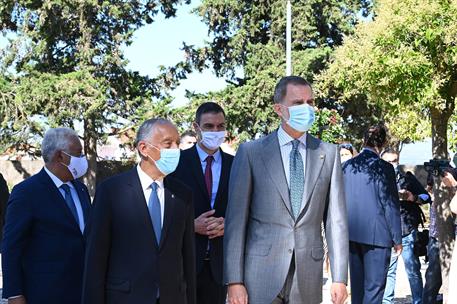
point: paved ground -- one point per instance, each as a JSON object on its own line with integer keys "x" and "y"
{"x": 402, "y": 291}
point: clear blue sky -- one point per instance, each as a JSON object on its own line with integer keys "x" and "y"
{"x": 159, "y": 44}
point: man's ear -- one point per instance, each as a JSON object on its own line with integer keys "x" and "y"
{"x": 277, "y": 109}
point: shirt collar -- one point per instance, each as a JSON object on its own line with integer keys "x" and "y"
{"x": 285, "y": 138}
{"x": 203, "y": 155}
{"x": 57, "y": 181}
{"x": 370, "y": 150}
{"x": 146, "y": 181}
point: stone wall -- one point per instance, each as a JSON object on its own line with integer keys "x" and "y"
{"x": 16, "y": 171}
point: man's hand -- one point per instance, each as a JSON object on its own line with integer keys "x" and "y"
{"x": 201, "y": 222}
{"x": 339, "y": 293}
{"x": 17, "y": 300}
{"x": 398, "y": 249}
{"x": 215, "y": 227}
{"x": 448, "y": 180}
{"x": 237, "y": 294}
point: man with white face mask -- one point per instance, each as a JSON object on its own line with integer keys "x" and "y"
{"x": 205, "y": 168}
{"x": 44, "y": 236}
{"x": 141, "y": 239}
{"x": 282, "y": 187}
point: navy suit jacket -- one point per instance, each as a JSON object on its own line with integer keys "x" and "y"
{"x": 124, "y": 263}
{"x": 190, "y": 172}
{"x": 43, "y": 247}
{"x": 372, "y": 200}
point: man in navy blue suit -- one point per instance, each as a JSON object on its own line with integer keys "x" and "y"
{"x": 373, "y": 216}
{"x": 141, "y": 237}
{"x": 43, "y": 240}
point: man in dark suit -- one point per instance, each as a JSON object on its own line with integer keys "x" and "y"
{"x": 43, "y": 241}
{"x": 4, "y": 195}
{"x": 205, "y": 168}
{"x": 373, "y": 217}
{"x": 141, "y": 239}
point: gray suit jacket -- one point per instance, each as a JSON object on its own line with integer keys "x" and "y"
{"x": 261, "y": 234}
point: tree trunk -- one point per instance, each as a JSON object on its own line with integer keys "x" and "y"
{"x": 444, "y": 219}
{"x": 90, "y": 149}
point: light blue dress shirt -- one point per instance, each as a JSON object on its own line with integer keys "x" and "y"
{"x": 285, "y": 145}
{"x": 215, "y": 169}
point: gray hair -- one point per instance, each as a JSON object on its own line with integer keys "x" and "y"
{"x": 147, "y": 127}
{"x": 56, "y": 139}
{"x": 281, "y": 86}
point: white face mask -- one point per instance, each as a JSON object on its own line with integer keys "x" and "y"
{"x": 212, "y": 140}
{"x": 78, "y": 165}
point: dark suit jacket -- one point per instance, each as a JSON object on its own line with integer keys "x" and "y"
{"x": 43, "y": 247}
{"x": 4, "y": 195}
{"x": 372, "y": 200}
{"x": 190, "y": 172}
{"x": 124, "y": 264}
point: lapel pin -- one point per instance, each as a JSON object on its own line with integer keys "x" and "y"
{"x": 172, "y": 196}
{"x": 322, "y": 156}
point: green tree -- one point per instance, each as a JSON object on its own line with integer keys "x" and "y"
{"x": 404, "y": 63}
{"x": 248, "y": 49}
{"x": 64, "y": 64}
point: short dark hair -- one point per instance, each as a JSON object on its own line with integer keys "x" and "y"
{"x": 347, "y": 146}
{"x": 281, "y": 86}
{"x": 375, "y": 136}
{"x": 189, "y": 133}
{"x": 389, "y": 150}
{"x": 207, "y": 107}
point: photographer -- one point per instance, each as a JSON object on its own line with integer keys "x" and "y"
{"x": 411, "y": 194}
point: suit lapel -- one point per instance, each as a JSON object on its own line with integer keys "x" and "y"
{"x": 168, "y": 214}
{"x": 57, "y": 197}
{"x": 315, "y": 159}
{"x": 274, "y": 165}
{"x": 198, "y": 173}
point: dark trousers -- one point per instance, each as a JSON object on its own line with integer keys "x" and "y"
{"x": 368, "y": 266}
{"x": 433, "y": 273}
{"x": 208, "y": 290}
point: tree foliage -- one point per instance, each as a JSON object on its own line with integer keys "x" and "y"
{"x": 247, "y": 47}
{"x": 64, "y": 65}
{"x": 404, "y": 65}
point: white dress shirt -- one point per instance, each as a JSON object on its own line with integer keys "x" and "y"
{"x": 216, "y": 168}
{"x": 146, "y": 182}
{"x": 285, "y": 145}
{"x": 74, "y": 195}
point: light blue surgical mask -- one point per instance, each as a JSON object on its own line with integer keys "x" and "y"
{"x": 168, "y": 161}
{"x": 301, "y": 117}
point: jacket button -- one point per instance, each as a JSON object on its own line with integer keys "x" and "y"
{"x": 290, "y": 251}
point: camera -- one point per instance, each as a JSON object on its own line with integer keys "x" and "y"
{"x": 437, "y": 167}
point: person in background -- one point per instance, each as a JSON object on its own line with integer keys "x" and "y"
{"x": 411, "y": 194}
{"x": 188, "y": 140}
{"x": 205, "y": 168}
{"x": 347, "y": 152}
{"x": 433, "y": 278}
{"x": 373, "y": 217}
{"x": 141, "y": 239}
{"x": 449, "y": 181}
{"x": 44, "y": 236}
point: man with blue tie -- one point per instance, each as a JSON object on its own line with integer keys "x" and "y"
{"x": 141, "y": 238}
{"x": 373, "y": 216}
{"x": 43, "y": 241}
{"x": 205, "y": 168}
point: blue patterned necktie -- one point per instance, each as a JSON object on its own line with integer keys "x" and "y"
{"x": 70, "y": 202}
{"x": 297, "y": 178}
{"x": 155, "y": 212}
